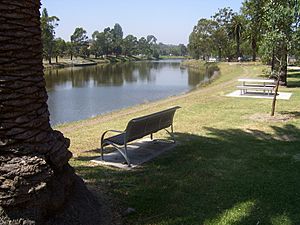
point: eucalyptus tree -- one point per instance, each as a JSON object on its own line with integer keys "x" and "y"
{"x": 79, "y": 40}
{"x": 37, "y": 184}
{"x": 129, "y": 45}
{"x": 200, "y": 40}
{"x": 48, "y": 24}
{"x": 222, "y": 36}
{"x": 254, "y": 13}
{"x": 60, "y": 48}
{"x": 117, "y": 38}
{"x": 144, "y": 47}
{"x": 70, "y": 49}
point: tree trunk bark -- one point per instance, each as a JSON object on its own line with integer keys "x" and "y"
{"x": 254, "y": 49}
{"x": 36, "y": 181}
{"x": 283, "y": 72}
{"x": 273, "y": 60}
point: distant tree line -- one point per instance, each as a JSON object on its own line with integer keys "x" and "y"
{"x": 110, "y": 41}
{"x": 264, "y": 28}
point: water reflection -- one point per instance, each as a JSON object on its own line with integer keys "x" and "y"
{"x": 78, "y": 93}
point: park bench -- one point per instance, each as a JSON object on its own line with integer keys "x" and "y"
{"x": 264, "y": 85}
{"x": 138, "y": 128}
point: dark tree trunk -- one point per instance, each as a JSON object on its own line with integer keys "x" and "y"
{"x": 283, "y": 72}
{"x": 36, "y": 181}
{"x": 56, "y": 59}
{"x": 49, "y": 60}
{"x": 273, "y": 60}
{"x": 254, "y": 49}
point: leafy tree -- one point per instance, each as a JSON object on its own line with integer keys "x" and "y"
{"x": 117, "y": 37}
{"x": 108, "y": 44}
{"x": 60, "y": 48}
{"x": 70, "y": 50}
{"x": 129, "y": 46}
{"x": 48, "y": 24}
{"x": 282, "y": 22}
{"x": 144, "y": 47}
{"x": 79, "y": 40}
{"x": 254, "y": 12}
{"x": 200, "y": 40}
{"x": 182, "y": 50}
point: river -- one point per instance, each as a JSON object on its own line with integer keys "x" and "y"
{"x": 78, "y": 93}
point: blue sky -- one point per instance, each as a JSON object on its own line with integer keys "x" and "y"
{"x": 170, "y": 21}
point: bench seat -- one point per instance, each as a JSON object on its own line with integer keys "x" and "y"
{"x": 138, "y": 128}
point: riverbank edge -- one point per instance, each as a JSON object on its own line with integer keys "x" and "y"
{"x": 64, "y": 63}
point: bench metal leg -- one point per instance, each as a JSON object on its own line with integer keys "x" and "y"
{"x": 124, "y": 154}
{"x": 171, "y": 133}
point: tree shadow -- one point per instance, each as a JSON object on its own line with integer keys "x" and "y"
{"x": 293, "y": 114}
{"x": 250, "y": 174}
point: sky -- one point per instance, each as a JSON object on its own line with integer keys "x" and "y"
{"x": 170, "y": 21}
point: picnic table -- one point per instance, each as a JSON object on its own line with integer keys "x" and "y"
{"x": 265, "y": 85}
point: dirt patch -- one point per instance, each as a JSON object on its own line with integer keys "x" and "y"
{"x": 279, "y": 117}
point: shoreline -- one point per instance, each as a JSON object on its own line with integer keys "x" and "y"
{"x": 65, "y": 62}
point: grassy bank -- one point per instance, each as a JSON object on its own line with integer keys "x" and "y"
{"x": 67, "y": 62}
{"x": 234, "y": 164}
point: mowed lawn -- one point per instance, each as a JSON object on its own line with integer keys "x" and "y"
{"x": 234, "y": 164}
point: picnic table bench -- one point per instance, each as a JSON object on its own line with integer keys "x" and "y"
{"x": 138, "y": 128}
{"x": 265, "y": 85}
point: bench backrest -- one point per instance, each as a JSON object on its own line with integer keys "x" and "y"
{"x": 145, "y": 125}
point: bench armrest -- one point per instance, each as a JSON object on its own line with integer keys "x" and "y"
{"x": 114, "y": 131}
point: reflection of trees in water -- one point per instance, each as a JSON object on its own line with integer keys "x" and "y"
{"x": 203, "y": 75}
{"x": 118, "y": 74}
{"x": 112, "y": 74}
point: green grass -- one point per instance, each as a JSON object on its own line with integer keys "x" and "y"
{"x": 228, "y": 169}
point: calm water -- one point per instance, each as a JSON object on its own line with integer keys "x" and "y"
{"x": 79, "y": 93}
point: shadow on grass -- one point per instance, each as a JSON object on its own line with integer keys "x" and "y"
{"x": 293, "y": 84}
{"x": 228, "y": 177}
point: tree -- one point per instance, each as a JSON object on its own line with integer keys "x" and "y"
{"x": 223, "y": 38}
{"x": 70, "y": 50}
{"x": 182, "y": 50}
{"x": 48, "y": 24}
{"x": 117, "y": 37}
{"x": 282, "y": 22}
{"x": 236, "y": 28}
{"x": 38, "y": 186}
{"x": 129, "y": 46}
{"x": 254, "y": 12}
{"x": 79, "y": 40}
{"x": 144, "y": 47}
{"x": 200, "y": 40}
{"x": 60, "y": 48}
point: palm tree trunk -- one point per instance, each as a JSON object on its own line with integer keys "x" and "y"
{"x": 35, "y": 177}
